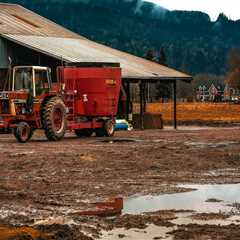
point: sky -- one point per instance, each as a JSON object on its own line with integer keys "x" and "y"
{"x": 212, "y": 7}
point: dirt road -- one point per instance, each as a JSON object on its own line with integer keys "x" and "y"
{"x": 43, "y": 179}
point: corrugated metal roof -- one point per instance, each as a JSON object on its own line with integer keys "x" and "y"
{"x": 36, "y": 32}
{"x": 15, "y": 19}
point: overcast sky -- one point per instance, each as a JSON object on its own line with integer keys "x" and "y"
{"x": 213, "y": 7}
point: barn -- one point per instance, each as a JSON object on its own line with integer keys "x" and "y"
{"x": 29, "y": 39}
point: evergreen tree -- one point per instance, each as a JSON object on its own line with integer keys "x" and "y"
{"x": 162, "y": 57}
{"x": 163, "y": 89}
{"x": 149, "y": 55}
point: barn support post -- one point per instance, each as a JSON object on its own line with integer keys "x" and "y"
{"x": 144, "y": 98}
{"x": 39, "y": 60}
{"x": 127, "y": 89}
{"x": 141, "y": 86}
{"x": 175, "y": 104}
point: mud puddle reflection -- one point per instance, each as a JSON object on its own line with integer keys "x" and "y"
{"x": 208, "y": 204}
{"x": 194, "y": 200}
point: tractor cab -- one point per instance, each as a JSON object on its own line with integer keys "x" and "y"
{"x": 22, "y": 107}
{"x": 31, "y": 80}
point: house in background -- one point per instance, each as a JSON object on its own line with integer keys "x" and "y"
{"x": 210, "y": 93}
{"x": 227, "y": 93}
{"x": 217, "y": 93}
{"x": 231, "y": 94}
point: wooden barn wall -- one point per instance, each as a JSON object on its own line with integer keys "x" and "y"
{"x": 22, "y": 56}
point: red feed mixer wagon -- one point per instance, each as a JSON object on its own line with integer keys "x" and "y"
{"x": 82, "y": 99}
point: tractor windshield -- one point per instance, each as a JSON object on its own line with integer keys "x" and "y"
{"x": 23, "y": 80}
{"x": 41, "y": 81}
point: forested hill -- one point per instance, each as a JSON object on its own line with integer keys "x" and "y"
{"x": 192, "y": 42}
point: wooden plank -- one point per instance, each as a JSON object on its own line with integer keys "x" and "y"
{"x": 141, "y": 85}
{"x": 175, "y": 105}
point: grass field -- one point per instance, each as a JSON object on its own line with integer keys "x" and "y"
{"x": 197, "y": 112}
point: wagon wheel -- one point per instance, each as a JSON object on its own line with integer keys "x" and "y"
{"x": 107, "y": 129}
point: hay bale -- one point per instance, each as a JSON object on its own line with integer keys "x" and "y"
{"x": 150, "y": 121}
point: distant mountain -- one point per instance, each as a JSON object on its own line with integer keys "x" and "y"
{"x": 192, "y": 42}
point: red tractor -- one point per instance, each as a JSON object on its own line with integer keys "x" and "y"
{"x": 82, "y": 99}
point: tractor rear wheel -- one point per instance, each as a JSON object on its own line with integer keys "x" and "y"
{"x": 84, "y": 132}
{"x": 54, "y": 119}
{"x": 23, "y": 132}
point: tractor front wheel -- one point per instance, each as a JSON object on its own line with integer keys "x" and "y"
{"x": 54, "y": 119}
{"x": 23, "y": 132}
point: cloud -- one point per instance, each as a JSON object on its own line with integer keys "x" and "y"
{"x": 157, "y": 10}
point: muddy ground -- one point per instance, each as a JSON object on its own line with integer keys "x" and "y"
{"x": 41, "y": 180}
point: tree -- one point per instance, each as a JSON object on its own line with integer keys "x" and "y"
{"x": 162, "y": 57}
{"x": 163, "y": 89}
{"x": 149, "y": 55}
{"x": 233, "y": 79}
{"x": 222, "y": 18}
{"x": 233, "y": 76}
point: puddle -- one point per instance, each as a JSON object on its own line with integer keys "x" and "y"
{"x": 210, "y": 145}
{"x": 133, "y": 140}
{"x": 194, "y": 200}
{"x": 202, "y": 127}
{"x": 120, "y": 140}
{"x": 211, "y": 212}
{"x": 151, "y": 232}
{"x": 188, "y": 143}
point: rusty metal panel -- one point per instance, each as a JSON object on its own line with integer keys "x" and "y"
{"x": 3, "y": 54}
